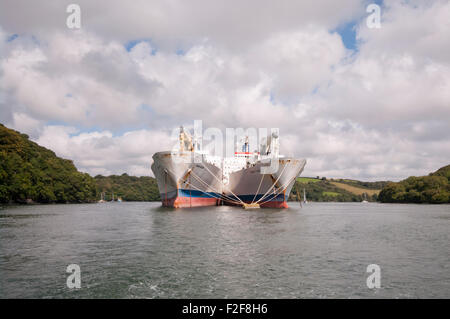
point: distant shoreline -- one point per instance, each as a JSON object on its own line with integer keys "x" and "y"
{"x": 291, "y": 203}
{"x": 72, "y": 203}
{"x": 33, "y": 175}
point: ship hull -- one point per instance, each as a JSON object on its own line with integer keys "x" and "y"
{"x": 245, "y": 183}
{"x": 195, "y": 182}
{"x": 184, "y": 198}
{"x": 189, "y": 182}
{"x": 274, "y": 201}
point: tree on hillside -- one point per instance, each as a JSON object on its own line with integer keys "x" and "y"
{"x": 32, "y": 172}
{"x": 434, "y": 189}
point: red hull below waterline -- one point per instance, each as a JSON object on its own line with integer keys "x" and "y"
{"x": 275, "y": 204}
{"x": 184, "y": 202}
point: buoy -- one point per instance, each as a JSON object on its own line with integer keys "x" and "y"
{"x": 251, "y": 205}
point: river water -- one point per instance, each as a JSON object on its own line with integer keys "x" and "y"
{"x": 141, "y": 250}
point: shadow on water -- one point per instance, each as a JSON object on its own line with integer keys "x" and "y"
{"x": 223, "y": 208}
{"x": 163, "y": 209}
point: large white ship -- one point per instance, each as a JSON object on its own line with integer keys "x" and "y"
{"x": 190, "y": 177}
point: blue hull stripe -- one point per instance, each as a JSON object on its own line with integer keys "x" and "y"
{"x": 271, "y": 197}
{"x": 189, "y": 193}
{"x": 196, "y": 193}
{"x": 244, "y": 198}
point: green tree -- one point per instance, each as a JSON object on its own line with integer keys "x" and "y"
{"x": 31, "y": 172}
{"x": 434, "y": 188}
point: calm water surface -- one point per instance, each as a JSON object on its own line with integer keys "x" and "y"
{"x": 140, "y": 250}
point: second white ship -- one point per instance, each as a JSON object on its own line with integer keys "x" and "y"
{"x": 190, "y": 177}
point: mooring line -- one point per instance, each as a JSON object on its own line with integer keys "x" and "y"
{"x": 276, "y": 181}
{"x": 281, "y": 189}
{"x": 259, "y": 186}
{"x": 223, "y": 197}
{"x": 223, "y": 184}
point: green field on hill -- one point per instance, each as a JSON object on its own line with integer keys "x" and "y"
{"x": 356, "y": 190}
{"x": 330, "y": 194}
{"x": 341, "y": 190}
{"x": 307, "y": 179}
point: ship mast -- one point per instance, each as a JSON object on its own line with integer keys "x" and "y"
{"x": 185, "y": 141}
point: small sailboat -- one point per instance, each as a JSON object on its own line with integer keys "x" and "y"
{"x": 304, "y": 197}
{"x": 364, "y": 198}
{"x": 102, "y": 197}
{"x": 112, "y": 200}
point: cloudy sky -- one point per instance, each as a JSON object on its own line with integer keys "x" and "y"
{"x": 357, "y": 102}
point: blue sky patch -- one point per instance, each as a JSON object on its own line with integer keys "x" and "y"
{"x": 12, "y": 37}
{"x": 131, "y": 44}
{"x": 180, "y": 52}
{"x": 348, "y": 35}
{"x": 347, "y": 30}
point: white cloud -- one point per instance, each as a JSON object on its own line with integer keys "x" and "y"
{"x": 77, "y": 80}
{"x": 234, "y": 24}
{"x": 100, "y": 152}
{"x": 24, "y": 123}
{"x": 3, "y": 39}
{"x": 380, "y": 112}
{"x": 421, "y": 28}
